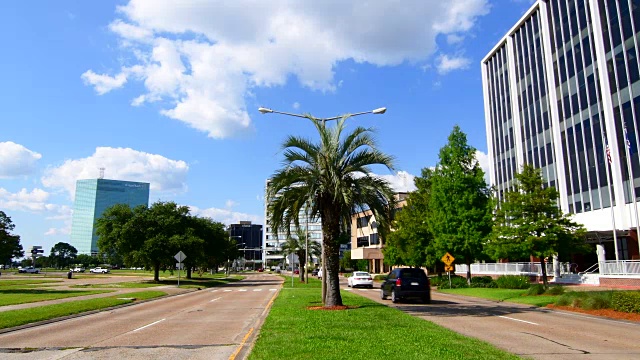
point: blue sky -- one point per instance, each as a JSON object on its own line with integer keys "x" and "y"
{"x": 167, "y": 93}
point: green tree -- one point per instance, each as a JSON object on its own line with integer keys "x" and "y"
{"x": 410, "y": 240}
{"x": 529, "y": 222}
{"x": 334, "y": 178}
{"x": 460, "y": 203}
{"x": 9, "y": 244}
{"x": 212, "y": 251}
{"x": 297, "y": 245}
{"x": 86, "y": 260}
{"x": 62, "y": 254}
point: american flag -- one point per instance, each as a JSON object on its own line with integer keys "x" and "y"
{"x": 608, "y": 153}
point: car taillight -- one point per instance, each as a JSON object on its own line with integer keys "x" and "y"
{"x": 398, "y": 282}
{"x": 368, "y": 278}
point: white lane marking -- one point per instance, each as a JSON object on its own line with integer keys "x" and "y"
{"x": 153, "y": 323}
{"x": 363, "y": 290}
{"x": 215, "y": 299}
{"x": 273, "y": 289}
{"x": 214, "y": 290}
{"x": 242, "y": 290}
{"x": 348, "y": 289}
{"x": 227, "y": 290}
{"x": 257, "y": 289}
{"x": 510, "y": 318}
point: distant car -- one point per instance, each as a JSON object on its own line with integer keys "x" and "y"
{"x": 99, "y": 270}
{"x": 360, "y": 278}
{"x": 296, "y": 271}
{"x": 403, "y": 283}
{"x": 29, "y": 270}
{"x": 78, "y": 269}
{"x": 314, "y": 272}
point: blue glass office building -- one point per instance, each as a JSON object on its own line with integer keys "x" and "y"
{"x": 93, "y": 197}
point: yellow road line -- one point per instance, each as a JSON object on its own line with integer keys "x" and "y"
{"x": 235, "y": 353}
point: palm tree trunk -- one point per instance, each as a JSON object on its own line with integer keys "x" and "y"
{"x": 324, "y": 276}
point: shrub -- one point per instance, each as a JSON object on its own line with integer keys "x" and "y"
{"x": 588, "y": 300}
{"x": 627, "y": 301}
{"x": 443, "y": 282}
{"x": 513, "y": 282}
{"x": 482, "y": 282}
{"x": 555, "y": 290}
{"x": 599, "y": 300}
{"x": 536, "y": 289}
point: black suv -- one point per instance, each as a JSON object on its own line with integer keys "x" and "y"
{"x": 405, "y": 283}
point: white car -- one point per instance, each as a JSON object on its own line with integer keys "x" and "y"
{"x": 29, "y": 270}
{"x": 78, "y": 269}
{"x": 360, "y": 278}
{"x": 99, "y": 270}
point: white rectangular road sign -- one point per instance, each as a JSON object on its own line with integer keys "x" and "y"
{"x": 180, "y": 256}
{"x": 179, "y": 266}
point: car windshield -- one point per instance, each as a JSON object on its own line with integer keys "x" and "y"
{"x": 413, "y": 273}
{"x": 360, "y": 274}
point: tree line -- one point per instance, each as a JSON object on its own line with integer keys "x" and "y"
{"x": 151, "y": 236}
{"x": 454, "y": 210}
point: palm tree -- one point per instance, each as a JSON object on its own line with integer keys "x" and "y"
{"x": 296, "y": 245}
{"x": 334, "y": 179}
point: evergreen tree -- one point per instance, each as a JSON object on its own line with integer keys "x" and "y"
{"x": 460, "y": 204}
{"x": 9, "y": 244}
{"x": 529, "y": 222}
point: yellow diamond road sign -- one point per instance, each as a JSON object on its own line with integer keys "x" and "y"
{"x": 447, "y": 259}
{"x": 448, "y": 268}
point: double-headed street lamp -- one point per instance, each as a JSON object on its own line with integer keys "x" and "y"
{"x": 263, "y": 110}
{"x": 377, "y": 111}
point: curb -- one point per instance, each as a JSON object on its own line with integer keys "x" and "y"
{"x": 86, "y": 313}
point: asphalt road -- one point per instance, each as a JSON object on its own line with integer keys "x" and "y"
{"x": 526, "y": 331}
{"x": 213, "y": 323}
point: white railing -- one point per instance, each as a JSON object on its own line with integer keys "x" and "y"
{"x": 621, "y": 267}
{"x": 519, "y": 268}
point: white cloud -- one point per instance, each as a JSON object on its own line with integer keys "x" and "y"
{"x": 63, "y": 213}
{"x": 226, "y": 216}
{"x": 16, "y": 160}
{"x": 483, "y": 160}
{"x": 296, "y": 105}
{"x": 454, "y": 39}
{"x": 401, "y": 181}
{"x": 193, "y": 55}
{"x": 164, "y": 175}
{"x": 230, "y": 203}
{"x": 447, "y": 64}
{"x": 104, "y": 83}
{"x": 35, "y": 200}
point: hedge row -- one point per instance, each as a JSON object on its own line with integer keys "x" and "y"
{"x": 627, "y": 301}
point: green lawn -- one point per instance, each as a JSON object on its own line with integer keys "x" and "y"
{"x": 508, "y": 295}
{"x": 25, "y": 316}
{"x": 14, "y": 282}
{"x": 120, "y": 285}
{"x": 368, "y": 331}
{"x": 18, "y": 295}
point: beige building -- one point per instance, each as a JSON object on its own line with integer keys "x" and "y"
{"x": 365, "y": 242}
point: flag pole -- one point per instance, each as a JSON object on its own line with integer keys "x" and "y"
{"x": 627, "y": 149}
{"x": 607, "y": 161}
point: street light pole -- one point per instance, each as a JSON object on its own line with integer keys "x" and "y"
{"x": 378, "y": 111}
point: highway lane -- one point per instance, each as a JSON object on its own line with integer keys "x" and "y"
{"x": 537, "y": 333}
{"x": 210, "y": 322}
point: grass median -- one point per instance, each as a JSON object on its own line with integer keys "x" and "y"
{"x": 367, "y": 330}
{"x": 18, "y": 295}
{"x": 508, "y": 295}
{"x": 13, "y": 318}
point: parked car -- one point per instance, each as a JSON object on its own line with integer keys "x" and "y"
{"x": 403, "y": 283}
{"x": 78, "y": 269}
{"x": 296, "y": 271}
{"x": 260, "y": 270}
{"x": 360, "y": 278}
{"x": 99, "y": 270}
{"x": 315, "y": 272}
{"x": 29, "y": 270}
